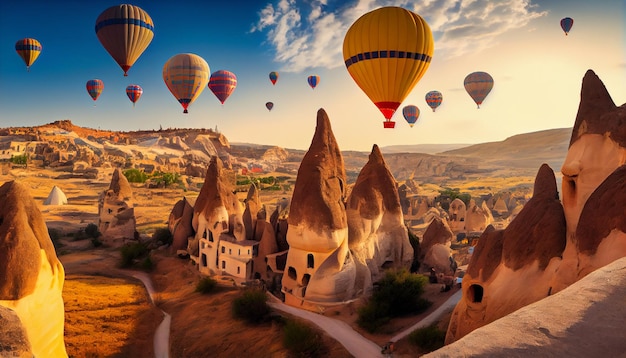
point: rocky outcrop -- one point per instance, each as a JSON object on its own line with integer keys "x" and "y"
{"x": 477, "y": 218}
{"x": 250, "y": 212}
{"x": 320, "y": 267}
{"x": 116, "y": 211}
{"x": 376, "y": 230}
{"x": 456, "y": 214}
{"x": 512, "y": 268}
{"x": 13, "y": 337}
{"x": 31, "y": 276}
{"x": 584, "y": 320}
{"x": 179, "y": 223}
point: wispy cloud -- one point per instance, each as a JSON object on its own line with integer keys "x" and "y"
{"x": 308, "y": 34}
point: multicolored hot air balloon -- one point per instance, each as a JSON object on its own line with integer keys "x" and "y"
{"x": 134, "y": 92}
{"x": 313, "y": 81}
{"x": 387, "y": 51}
{"x": 566, "y": 24}
{"x": 222, "y": 83}
{"x": 186, "y": 76}
{"x": 94, "y": 88}
{"x": 478, "y": 85}
{"x": 434, "y": 99}
{"x": 28, "y": 49}
{"x": 411, "y": 113}
{"x": 269, "y": 105}
{"x": 125, "y": 31}
{"x": 273, "y": 77}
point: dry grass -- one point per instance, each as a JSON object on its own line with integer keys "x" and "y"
{"x": 107, "y": 317}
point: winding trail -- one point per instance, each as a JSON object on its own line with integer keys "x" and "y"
{"x": 162, "y": 333}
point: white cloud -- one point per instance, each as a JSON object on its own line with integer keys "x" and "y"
{"x": 459, "y": 26}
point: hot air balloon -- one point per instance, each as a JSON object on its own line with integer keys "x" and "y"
{"x": 566, "y": 24}
{"x": 125, "y": 31}
{"x": 273, "y": 77}
{"x": 186, "y": 76}
{"x": 313, "y": 80}
{"x": 222, "y": 83}
{"x": 28, "y": 49}
{"x": 134, "y": 92}
{"x": 433, "y": 99}
{"x": 94, "y": 88}
{"x": 411, "y": 113}
{"x": 269, "y": 105}
{"x": 478, "y": 85}
{"x": 387, "y": 51}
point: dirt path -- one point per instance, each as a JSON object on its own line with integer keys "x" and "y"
{"x": 162, "y": 334}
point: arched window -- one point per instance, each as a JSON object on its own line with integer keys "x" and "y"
{"x": 291, "y": 272}
{"x": 310, "y": 261}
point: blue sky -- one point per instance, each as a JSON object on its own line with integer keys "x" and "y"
{"x": 537, "y": 70}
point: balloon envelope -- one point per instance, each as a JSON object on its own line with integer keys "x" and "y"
{"x": 273, "y": 77}
{"x": 478, "y": 85}
{"x": 134, "y": 92}
{"x": 566, "y": 24}
{"x": 411, "y": 113}
{"x": 28, "y": 49}
{"x": 269, "y": 105}
{"x": 94, "y": 88}
{"x": 434, "y": 99}
{"x": 125, "y": 31}
{"x": 313, "y": 81}
{"x": 222, "y": 83}
{"x": 387, "y": 51}
{"x": 186, "y": 76}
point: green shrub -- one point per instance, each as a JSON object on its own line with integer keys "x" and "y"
{"x": 19, "y": 159}
{"x": 163, "y": 235}
{"x": 55, "y": 237}
{"x": 147, "y": 264}
{"x": 92, "y": 231}
{"x": 135, "y": 175}
{"x": 96, "y": 242}
{"x": 206, "y": 285}
{"x": 251, "y": 306}
{"x": 397, "y": 294}
{"x": 131, "y": 253}
{"x": 428, "y": 338}
{"x": 301, "y": 340}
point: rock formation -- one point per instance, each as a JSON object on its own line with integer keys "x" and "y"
{"x": 435, "y": 247}
{"x": 456, "y": 213}
{"x": 116, "y": 211}
{"x": 179, "y": 223}
{"x": 477, "y": 218}
{"x": 548, "y": 246}
{"x": 320, "y": 267}
{"x": 376, "y": 230}
{"x": 56, "y": 197}
{"x": 31, "y": 276}
{"x": 251, "y": 211}
{"x": 13, "y": 337}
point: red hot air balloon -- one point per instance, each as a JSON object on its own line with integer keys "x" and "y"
{"x": 222, "y": 83}
{"x": 269, "y": 106}
{"x": 94, "y": 88}
{"x": 134, "y": 92}
{"x": 313, "y": 80}
{"x": 566, "y": 24}
{"x": 273, "y": 77}
{"x": 434, "y": 99}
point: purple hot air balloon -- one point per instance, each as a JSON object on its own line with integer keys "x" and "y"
{"x": 222, "y": 84}
{"x": 269, "y": 105}
{"x": 566, "y": 24}
{"x": 434, "y": 99}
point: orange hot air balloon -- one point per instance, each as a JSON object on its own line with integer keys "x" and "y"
{"x": 125, "y": 31}
{"x": 387, "y": 51}
{"x": 28, "y": 49}
{"x": 186, "y": 76}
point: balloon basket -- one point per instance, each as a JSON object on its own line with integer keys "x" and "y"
{"x": 389, "y": 124}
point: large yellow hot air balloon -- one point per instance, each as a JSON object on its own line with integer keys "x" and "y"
{"x": 186, "y": 75}
{"x": 125, "y": 31}
{"x": 387, "y": 51}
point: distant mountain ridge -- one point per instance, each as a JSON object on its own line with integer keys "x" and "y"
{"x": 422, "y": 148}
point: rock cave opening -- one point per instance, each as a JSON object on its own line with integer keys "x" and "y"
{"x": 475, "y": 293}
